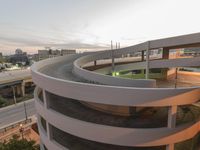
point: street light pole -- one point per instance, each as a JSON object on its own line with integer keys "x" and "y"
{"x": 21, "y": 130}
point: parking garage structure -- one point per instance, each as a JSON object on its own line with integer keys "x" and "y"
{"x": 81, "y": 108}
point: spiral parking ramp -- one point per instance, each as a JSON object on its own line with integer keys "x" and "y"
{"x": 97, "y": 111}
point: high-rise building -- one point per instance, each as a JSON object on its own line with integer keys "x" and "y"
{"x": 119, "y": 105}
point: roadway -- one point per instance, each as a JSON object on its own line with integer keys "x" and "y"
{"x": 15, "y": 113}
{"x": 10, "y": 76}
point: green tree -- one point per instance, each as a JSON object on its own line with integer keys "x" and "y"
{"x": 19, "y": 144}
{"x": 2, "y": 102}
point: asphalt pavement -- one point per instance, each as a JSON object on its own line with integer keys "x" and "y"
{"x": 15, "y": 113}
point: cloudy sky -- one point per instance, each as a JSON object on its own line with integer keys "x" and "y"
{"x": 91, "y": 24}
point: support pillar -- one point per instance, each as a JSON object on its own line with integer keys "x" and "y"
{"x": 14, "y": 97}
{"x": 41, "y": 145}
{"x": 147, "y": 61}
{"x": 46, "y": 104}
{"x": 170, "y": 147}
{"x": 142, "y": 56}
{"x": 18, "y": 90}
{"x": 165, "y": 53}
{"x": 95, "y": 63}
{"x": 172, "y": 112}
{"x": 23, "y": 89}
{"x": 171, "y": 123}
{"x": 49, "y": 131}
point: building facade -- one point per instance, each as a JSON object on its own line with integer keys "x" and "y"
{"x": 83, "y": 107}
{"x": 44, "y": 54}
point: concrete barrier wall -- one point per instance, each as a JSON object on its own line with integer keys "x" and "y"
{"x": 118, "y": 135}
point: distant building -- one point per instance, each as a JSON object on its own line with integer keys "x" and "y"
{"x": 49, "y": 53}
{"x": 192, "y": 51}
{"x": 43, "y": 54}
{"x": 1, "y": 57}
{"x": 18, "y": 51}
{"x": 54, "y": 53}
{"x": 19, "y": 57}
{"x": 67, "y": 52}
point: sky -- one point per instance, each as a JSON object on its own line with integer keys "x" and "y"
{"x": 88, "y": 25}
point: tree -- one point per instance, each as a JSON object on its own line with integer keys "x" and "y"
{"x": 19, "y": 144}
{"x": 2, "y": 102}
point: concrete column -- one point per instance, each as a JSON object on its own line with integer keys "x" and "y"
{"x": 147, "y": 60}
{"x": 172, "y": 112}
{"x": 14, "y": 97}
{"x": 18, "y": 90}
{"x": 49, "y": 133}
{"x": 23, "y": 89}
{"x": 142, "y": 56}
{"x": 170, "y": 147}
{"x": 41, "y": 145}
{"x": 45, "y": 99}
{"x": 165, "y": 53}
{"x": 95, "y": 63}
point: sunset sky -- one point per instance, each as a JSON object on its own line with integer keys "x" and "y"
{"x": 91, "y": 24}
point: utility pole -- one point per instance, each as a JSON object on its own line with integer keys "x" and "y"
{"x": 113, "y": 63}
{"x": 147, "y": 60}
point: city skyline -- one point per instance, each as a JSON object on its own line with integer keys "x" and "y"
{"x": 90, "y": 25}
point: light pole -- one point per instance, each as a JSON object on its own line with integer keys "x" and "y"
{"x": 113, "y": 63}
{"x": 25, "y": 111}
